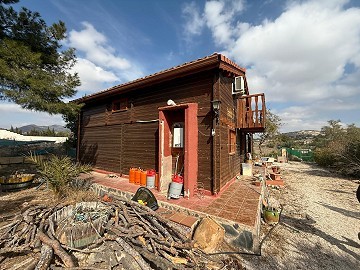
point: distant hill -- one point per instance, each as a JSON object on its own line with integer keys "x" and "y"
{"x": 303, "y": 134}
{"x": 57, "y": 128}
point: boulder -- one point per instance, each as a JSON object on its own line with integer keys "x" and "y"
{"x": 208, "y": 235}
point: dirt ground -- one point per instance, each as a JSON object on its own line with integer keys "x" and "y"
{"x": 318, "y": 228}
{"x": 319, "y": 224}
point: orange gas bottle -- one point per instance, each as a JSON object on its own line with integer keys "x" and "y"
{"x": 157, "y": 181}
{"x": 132, "y": 175}
{"x": 137, "y": 177}
{"x": 143, "y": 178}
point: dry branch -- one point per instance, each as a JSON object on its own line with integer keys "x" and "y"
{"x": 127, "y": 248}
{"x": 142, "y": 233}
{"x": 64, "y": 256}
{"x": 46, "y": 256}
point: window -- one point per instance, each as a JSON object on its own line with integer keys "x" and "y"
{"x": 232, "y": 141}
{"x": 119, "y": 105}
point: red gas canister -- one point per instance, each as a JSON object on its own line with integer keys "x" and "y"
{"x": 178, "y": 179}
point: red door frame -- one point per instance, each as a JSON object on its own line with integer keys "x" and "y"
{"x": 190, "y": 145}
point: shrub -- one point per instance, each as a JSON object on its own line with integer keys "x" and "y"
{"x": 60, "y": 173}
{"x": 324, "y": 157}
{"x": 340, "y": 147}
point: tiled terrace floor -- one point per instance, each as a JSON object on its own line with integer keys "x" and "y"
{"x": 239, "y": 202}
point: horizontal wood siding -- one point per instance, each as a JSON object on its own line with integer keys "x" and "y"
{"x": 229, "y": 163}
{"x": 138, "y": 144}
{"x": 98, "y": 145}
{"x": 93, "y": 116}
{"x": 204, "y": 151}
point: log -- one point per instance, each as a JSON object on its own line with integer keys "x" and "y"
{"x": 171, "y": 250}
{"x": 55, "y": 244}
{"x": 126, "y": 215}
{"x": 147, "y": 211}
{"x": 135, "y": 254}
{"x": 160, "y": 262}
{"x": 116, "y": 216}
{"x": 31, "y": 265}
{"x": 126, "y": 224}
{"x": 160, "y": 228}
{"x": 24, "y": 264}
{"x": 21, "y": 249}
{"x": 46, "y": 256}
{"x": 153, "y": 245}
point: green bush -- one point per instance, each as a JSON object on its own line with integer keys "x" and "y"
{"x": 339, "y": 147}
{"x": 60, "y": 172}
{"x": 324, "y": 157}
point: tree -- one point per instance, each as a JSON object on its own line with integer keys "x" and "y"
{"x": 71, "y": 119}
{"x": 286, "y": 141}
{"x": 339, "y": 147}
{"x": 272, "y": 126}
{"x": 34, "y": 72}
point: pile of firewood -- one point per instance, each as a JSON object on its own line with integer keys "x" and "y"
{"x": 149, "y": 240}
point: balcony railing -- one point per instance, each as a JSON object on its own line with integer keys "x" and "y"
{"x": 251, "y": 113}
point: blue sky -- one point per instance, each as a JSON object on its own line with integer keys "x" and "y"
{"x": 304, "y": 55}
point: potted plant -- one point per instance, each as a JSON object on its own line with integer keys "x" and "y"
{"x": 271, "y": 215}
{"x": 272, "y": 211}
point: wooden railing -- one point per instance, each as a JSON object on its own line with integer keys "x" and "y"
{"x": 251, "y": 112}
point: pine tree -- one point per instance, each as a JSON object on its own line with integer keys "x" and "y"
{"x": 34, "y": 72}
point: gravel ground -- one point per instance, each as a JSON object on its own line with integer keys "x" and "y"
{"x": 319, "y": 225}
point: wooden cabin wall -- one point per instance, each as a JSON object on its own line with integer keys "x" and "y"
{"x": 229, "y": 163}
{"x": 116, "y": 141}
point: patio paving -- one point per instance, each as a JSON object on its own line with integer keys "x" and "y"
{"x": 239, "y": 202}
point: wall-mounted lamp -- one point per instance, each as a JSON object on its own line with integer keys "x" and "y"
{"x": 216, "y": 108}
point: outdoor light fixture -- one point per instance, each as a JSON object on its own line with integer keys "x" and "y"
{"x": 216, "y": 109}
{"x": 216, "y": 105}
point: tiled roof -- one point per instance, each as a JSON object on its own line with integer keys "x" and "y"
{"x": 211, "y": 61}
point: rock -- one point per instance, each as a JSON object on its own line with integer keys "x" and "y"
{"x": 208, "y": 235}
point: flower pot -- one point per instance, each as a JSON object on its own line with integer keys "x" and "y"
{"x": 271, "y": 216}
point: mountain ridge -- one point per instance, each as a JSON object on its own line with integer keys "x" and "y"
{"x": 57, "y": 128}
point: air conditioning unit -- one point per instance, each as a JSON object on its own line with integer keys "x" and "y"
{"x": 239, "y": 86}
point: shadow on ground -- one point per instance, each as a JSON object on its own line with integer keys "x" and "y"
{"x": 14, "y": 204}
{"x": 304, "y": 254}
{"x": 348, "y": 213}
{"x": 308, "y": 227}
{"x": 339, "y": 191}
{"x": 319, "y": 172}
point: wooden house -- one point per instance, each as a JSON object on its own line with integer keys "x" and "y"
{"x": 196, "y": 119}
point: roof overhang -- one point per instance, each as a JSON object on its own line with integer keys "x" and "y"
{"x": 207, "y": 63}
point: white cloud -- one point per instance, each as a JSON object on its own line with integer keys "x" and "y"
{"x": 194, "y": 22}
{"x": 301, "y": 54}
{"x": 10, "y": 107}
{"x": 219, "y": 16}
{"x": 299, "y": 57}
{"x": 101, "y": 66}
{"x": 93, "y": 77}
{"x": 94, "y": 45}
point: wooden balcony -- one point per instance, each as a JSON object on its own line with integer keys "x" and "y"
{"x": 251, "y": 113}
